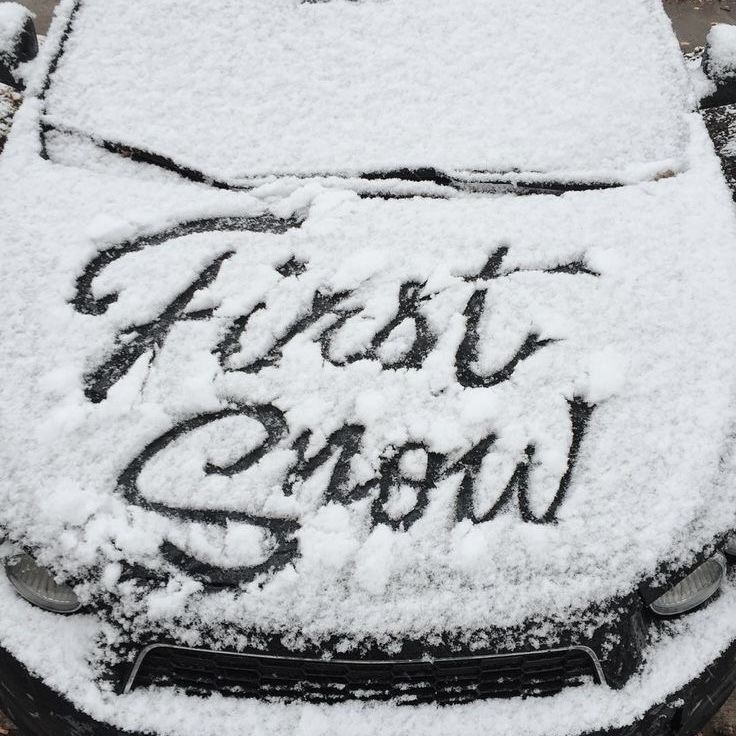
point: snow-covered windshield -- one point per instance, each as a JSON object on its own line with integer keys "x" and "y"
{"x": 245, "y": 89}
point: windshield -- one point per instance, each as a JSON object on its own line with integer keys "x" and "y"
{"x": 247, "y": 89}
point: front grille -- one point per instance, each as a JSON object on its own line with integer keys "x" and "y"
{"x": 443, "y": 681}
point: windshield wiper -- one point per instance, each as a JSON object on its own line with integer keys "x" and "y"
{"x": 479, "y": 182}
{"x": 486, "y": 182}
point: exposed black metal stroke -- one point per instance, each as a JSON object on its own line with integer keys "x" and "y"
{"x": 85, "y": 302}
{"x": 580, "y": 413}
{"x": 148, "y": 337}
{"x": 292, "y": 267}
{"x": 492, "y": 269}
{"x": 390, "y": 478}
{"x": 322, "y": 306}
{"x": 269, "y": 417}
{"x": 410, "y": 301}
{"x": 285, "y": 552}
{"x": 276, "y": 428}
{"x": 325, "y": 339}
{"x": 229, "y": 344}
{"x": 282, "y": 530}
{"x": 425, "y": 340}
{"x": 342, "y": 445}
{"x": 469, "y": 465}
{"x": 467, "y": 352}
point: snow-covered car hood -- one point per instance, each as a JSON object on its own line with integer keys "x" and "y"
{"x": 243, "y": 91}
{"x": 384, "y": 417}
{"x": 304, "y": 411}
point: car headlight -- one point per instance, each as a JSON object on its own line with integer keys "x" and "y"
{"x": 731, "y": 546}
{"x": 694, "y": 590}
{"x": 38, "y": 586}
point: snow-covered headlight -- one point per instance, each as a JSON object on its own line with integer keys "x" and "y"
{"x": 38, "y": 586}
{"x": 731, "y": 546}
{"x": 694, "y": 590}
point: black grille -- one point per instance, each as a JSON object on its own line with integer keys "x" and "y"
{"x": 444, "y": 681}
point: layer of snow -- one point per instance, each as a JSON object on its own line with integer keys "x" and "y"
{"x": 247, "y": 89}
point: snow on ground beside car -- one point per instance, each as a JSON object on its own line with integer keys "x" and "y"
{"x": 349, "y": 87}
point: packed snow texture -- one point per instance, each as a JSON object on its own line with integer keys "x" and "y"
{"x": 568, "y": 90}
{"x": 721, "y": 51}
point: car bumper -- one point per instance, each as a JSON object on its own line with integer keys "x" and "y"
{"x": 49, "y": 687}
{"x": 37, "y": 710}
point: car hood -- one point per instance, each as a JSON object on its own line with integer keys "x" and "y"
{"x": 327, "y": 413}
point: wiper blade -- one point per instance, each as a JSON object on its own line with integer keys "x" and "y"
{"x": 487, "y": 182}
{"x": 477, "y": 182}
